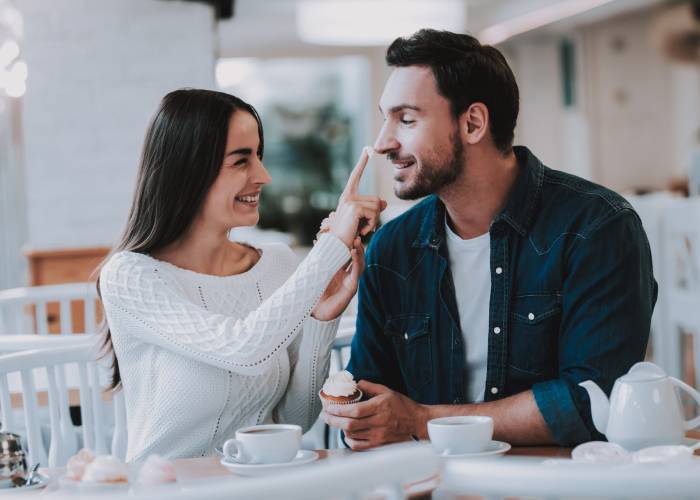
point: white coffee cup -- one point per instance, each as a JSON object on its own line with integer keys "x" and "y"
{"x": 264, "y": 444}
{"x": 463, "y": 434}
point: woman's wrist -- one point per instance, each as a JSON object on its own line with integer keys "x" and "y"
{"x": 321, "y": 315}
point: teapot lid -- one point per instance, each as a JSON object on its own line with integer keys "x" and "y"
{"x": 644, "y": 372}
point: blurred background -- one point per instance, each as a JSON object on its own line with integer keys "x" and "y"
{"x": 610, "y": 91}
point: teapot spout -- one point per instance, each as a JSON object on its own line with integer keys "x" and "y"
{"x": 600, "y": 405}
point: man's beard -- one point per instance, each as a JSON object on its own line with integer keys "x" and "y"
{"x": 434, "y": 174}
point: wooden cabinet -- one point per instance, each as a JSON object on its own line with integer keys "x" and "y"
{"x": 75, "y": 265}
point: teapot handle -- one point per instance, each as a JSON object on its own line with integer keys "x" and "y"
{"x": 689, "y": 424}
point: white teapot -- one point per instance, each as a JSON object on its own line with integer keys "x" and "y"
{"x": 644, "y": 408}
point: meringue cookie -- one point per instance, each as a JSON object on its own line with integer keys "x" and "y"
{"x": 600, "y": 452}
{"x": 157, "y": 470}
{"x": 669, "y": 454}
{"x": 106, "y": 469}
{"x": 75, "y": 467}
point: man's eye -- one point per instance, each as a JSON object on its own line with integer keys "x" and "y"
{"x": 241, "y": 162}
{"x": 407, "y": 122}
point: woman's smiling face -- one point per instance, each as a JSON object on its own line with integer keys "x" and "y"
{"x": 233, "y": 198}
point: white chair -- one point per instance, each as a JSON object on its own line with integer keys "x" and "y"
{"x": 651, "y": 209}
{"x": 378, "y": 474}
{"x": 40, "y": 309}
{"x": 83, "y": 352}
{"x": 681, "y": 290}
{"x": 340, "y": 355}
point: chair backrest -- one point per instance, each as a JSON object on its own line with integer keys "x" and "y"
{"x": 353, "y": 476}
{"x": 681, "y": 288}
{"x": 81, "y": 353}
{"x": 651, "y": 208}
{"x": 67, "y": 308}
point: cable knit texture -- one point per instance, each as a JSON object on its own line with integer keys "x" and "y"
{"x": 201, "y": 356}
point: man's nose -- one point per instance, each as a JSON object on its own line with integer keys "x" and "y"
{"x": 385, "y": 142}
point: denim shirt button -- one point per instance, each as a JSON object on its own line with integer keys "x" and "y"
{"x": 494, "y": 390}
{"x": 456, "y": 401}
{"x": 497, "y": 330}
{"x": 405, "y": 336}
{"x": 499, "y": 270}
{"x": 530, "y": 316}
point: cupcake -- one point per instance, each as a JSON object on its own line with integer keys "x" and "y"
{"x": 75, "y": 467}
{"x": 157, "y": 470}
{"x": 106, "y": 469}
{"x": 340, "y": 389}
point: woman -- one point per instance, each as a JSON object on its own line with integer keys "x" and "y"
{"x": 209, "y": 335}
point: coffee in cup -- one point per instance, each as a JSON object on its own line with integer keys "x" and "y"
{"x": 462, "y": 434}
{"x": 264, "y": 444}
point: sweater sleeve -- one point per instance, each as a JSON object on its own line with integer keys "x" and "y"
{"x": 158, "y": 311}
{"x": 309, "y": 359}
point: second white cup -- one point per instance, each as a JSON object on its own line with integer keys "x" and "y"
{"x": 458, "y": 435}
{"x": 264, "y": 444}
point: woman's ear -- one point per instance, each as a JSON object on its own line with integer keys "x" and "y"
{"x": 474, "y": 123}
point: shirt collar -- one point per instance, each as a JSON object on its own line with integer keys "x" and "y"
{"x": 518, "y": 212}
{"x": 525, "y": 194}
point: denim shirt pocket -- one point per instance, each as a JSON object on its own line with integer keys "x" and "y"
{"x": 535, "y": 323}
{"x": 410, "y": 334}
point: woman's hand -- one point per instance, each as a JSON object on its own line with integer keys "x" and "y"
{"x": 342, "y": 287}
{"x": 355, "y": 214}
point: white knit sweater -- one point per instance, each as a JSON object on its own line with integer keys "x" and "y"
{"x": 201, "y": 356}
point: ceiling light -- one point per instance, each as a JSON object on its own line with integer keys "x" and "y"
{"x": 231, "y": 72}
{"x": 536, "y": 19}
{"x": 374, "y": 22}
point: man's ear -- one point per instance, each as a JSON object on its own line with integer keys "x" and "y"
{"x": 474, "y": 123}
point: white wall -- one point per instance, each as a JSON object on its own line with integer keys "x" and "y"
{"x": 541, "y": 110}
{"x": 637, "y": 116}
{"x": 631, "y": 110}
{"x": 97, "y": 70}
{"x": 13, "y": 224}
{"x": 685, "y": 113}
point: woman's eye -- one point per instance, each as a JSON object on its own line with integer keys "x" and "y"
{"x": 406, "y": 121}
{"x": 240, "y": 162}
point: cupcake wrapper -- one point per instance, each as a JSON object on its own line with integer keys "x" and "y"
{"x": 327, "y": 402}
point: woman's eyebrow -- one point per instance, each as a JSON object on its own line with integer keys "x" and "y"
{"x": 241, "y": 151}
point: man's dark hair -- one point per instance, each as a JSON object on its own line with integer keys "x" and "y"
{"x": 466, "y": 72}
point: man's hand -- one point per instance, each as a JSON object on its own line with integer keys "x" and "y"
{"x": 387, "y": 417}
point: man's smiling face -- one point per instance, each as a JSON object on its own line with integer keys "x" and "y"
{"x": 420, "y": 136}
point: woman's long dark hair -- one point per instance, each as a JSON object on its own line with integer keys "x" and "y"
{"x": 182, "y": 154}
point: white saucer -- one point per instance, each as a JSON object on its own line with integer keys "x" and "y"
{"x": 41, "y": 481}
{"x": 691, "y": 442}
{"x": 303, "y": 457}
{"x": 494, "y": 449}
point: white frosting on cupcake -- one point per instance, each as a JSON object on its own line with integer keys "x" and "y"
{"x": 340, "y": 384}
{"x": 157, "y": 470}
{"x": 75, "y": 467}
{"x": 106, "y": 469}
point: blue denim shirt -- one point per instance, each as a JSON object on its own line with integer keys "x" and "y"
{"x": 572, "y": 293}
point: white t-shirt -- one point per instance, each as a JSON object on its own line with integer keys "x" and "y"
{"x": 471, "y": 274}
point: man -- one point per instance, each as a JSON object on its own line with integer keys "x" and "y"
{"x": 507, "y": 286}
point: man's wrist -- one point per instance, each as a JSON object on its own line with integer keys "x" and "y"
{"x": 423, "y": 415}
